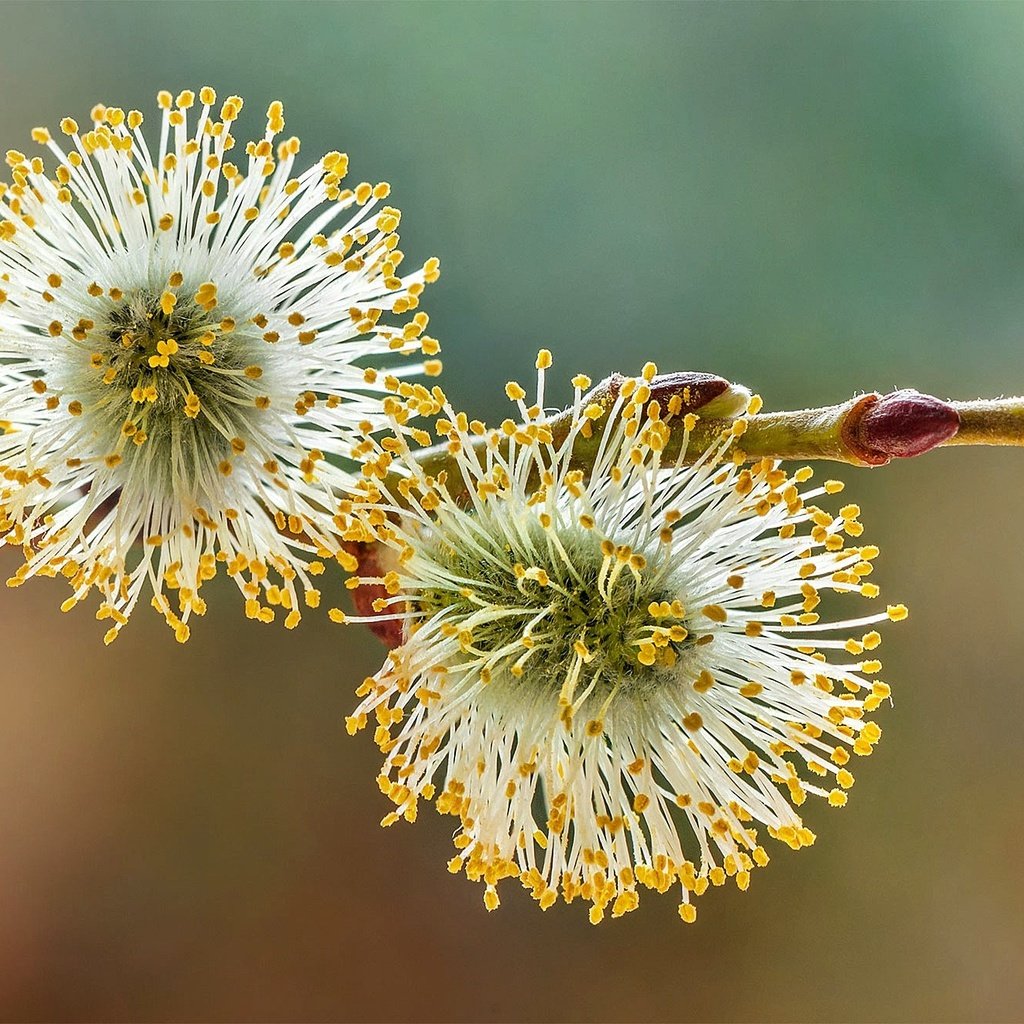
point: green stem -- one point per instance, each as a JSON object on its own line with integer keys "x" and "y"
{"x": 868, "y": 430}
{"x": 998, "y": 421}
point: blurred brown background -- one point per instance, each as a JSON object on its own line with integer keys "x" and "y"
{"x": 810, "y": 199}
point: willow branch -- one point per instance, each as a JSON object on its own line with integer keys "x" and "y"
{"x": 868, "y": 430}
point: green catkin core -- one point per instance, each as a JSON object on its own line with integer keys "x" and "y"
{"x": 172, "y": 392}
{"x": 581, "y": 596}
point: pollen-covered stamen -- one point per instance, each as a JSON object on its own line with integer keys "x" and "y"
{"x": 189, "y": 349}
{"x": 617, "y": 676}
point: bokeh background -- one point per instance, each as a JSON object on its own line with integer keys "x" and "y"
{"x": 813, "y": 200}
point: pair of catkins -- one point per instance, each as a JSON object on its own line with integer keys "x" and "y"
{"x": 606, "y": 655}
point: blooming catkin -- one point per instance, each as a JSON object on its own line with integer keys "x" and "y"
{"x": 615, "y": 679}
{"x": 188, "y": 351}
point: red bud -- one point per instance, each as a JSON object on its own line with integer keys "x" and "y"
{"x": 903, "y": 424}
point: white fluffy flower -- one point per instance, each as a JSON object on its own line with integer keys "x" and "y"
{"x": 186, "y": 356}
{"x": 612, "y": 679}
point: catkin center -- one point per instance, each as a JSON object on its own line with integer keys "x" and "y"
{"x": 555, "y": 595}
{"x": 170, "y": 390}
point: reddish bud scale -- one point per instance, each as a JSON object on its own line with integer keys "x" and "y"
{"x": 388, "y": 630}
{"x": 900, "y": 425}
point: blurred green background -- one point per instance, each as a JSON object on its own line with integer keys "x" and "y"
{"x": 813, "y": 200}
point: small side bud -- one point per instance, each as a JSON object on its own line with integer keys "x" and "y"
{"x": 902, "y": 424}
{"x": 712, "y": 396}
